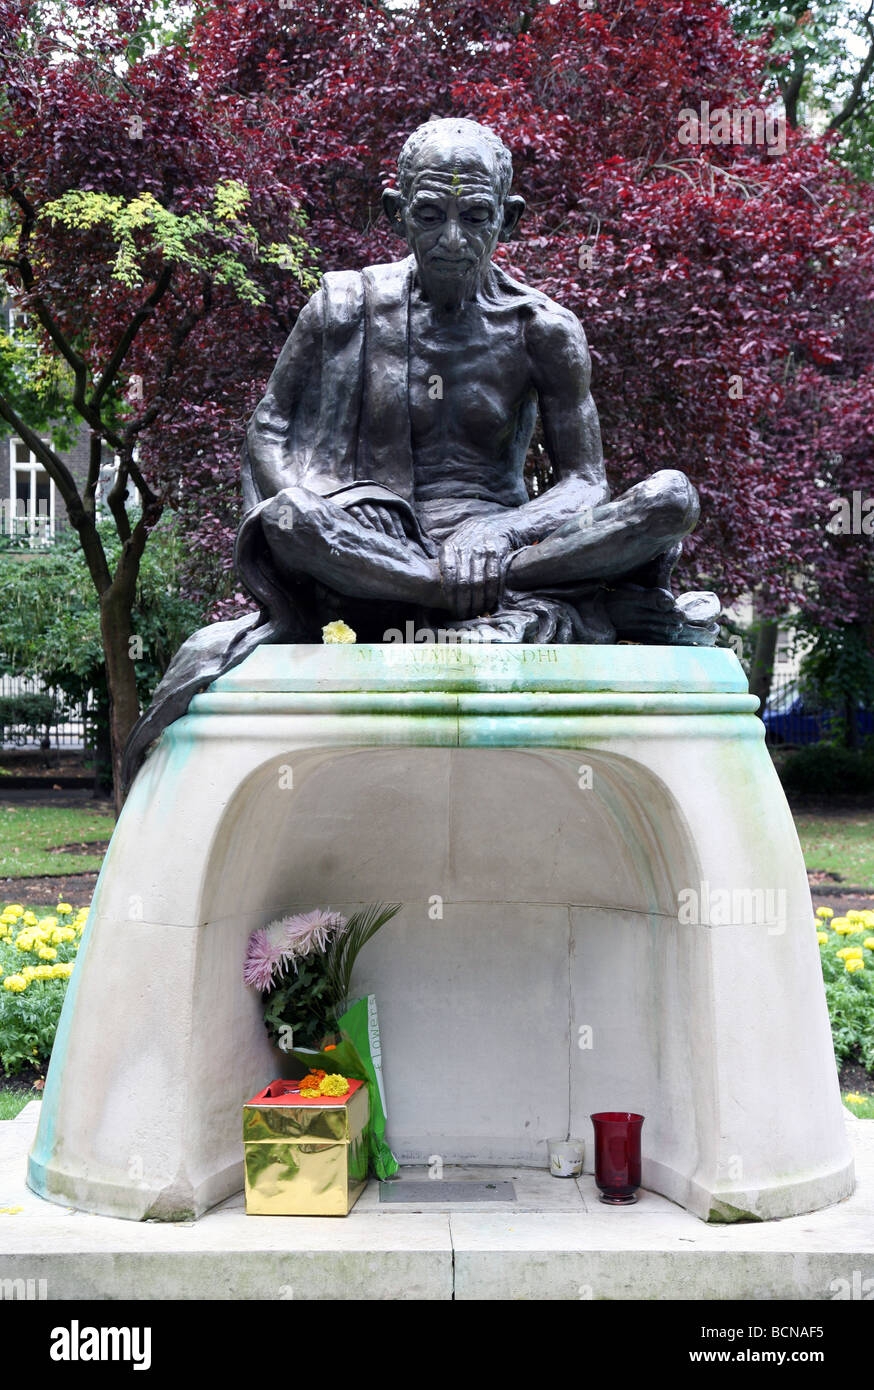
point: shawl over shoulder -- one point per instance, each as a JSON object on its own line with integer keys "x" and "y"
{"x": 346, "y": 436}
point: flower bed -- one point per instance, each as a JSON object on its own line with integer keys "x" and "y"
{"x": 37, "y": 958}
{"x": 846, "y": 947}
{"x": 38, "y": 950}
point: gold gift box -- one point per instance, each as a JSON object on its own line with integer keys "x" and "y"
{"x": 305, "y": 1158}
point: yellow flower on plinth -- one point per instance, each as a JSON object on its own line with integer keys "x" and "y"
{"x": 64, "y": 909}
{"x": 43, "y": 972}
{"x": 62, "y": 971}
{"x": 47, "y": 953}
{"x": 825, "y": 913}
{"x": 16, "y": 984}
{"x": 869, "y": 942}
{"x": 822, "y": 937}
{"x": 853, "y": 965}
{"x": 333, "y": 1085}
{"x": 30, "y": 919}
{"x": 849, "y": 953}
{"x": 338, "y": 632}
{"x": 854, "y": 1098}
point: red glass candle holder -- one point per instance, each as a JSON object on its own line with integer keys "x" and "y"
{"x": 617, "y": 1155}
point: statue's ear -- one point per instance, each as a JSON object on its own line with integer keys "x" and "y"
{"x": 393, "y": 203}
{"x": 514, "y": 207}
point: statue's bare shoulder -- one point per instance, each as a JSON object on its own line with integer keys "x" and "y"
{"x": 556, "y": 344}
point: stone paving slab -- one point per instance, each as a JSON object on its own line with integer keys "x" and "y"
{"x": 556, "y": 1242}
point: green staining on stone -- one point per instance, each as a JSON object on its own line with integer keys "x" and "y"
{"x": 723, "y": 1214}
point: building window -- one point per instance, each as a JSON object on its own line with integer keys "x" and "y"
{"x": 31, "y": 510}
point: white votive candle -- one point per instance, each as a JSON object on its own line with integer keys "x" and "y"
{"x": 565, "y": 1157}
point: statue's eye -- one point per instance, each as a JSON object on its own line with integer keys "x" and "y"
{"x": 477, "y": 216}
{"x": 428, "y": 216}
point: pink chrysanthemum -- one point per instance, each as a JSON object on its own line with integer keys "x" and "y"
{"x": 265, "y": 960}
{"x": 286, "y": 941}
{"x": 309, "y": 932}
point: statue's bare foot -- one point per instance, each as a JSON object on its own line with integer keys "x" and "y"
{"x": 701, "y": 610}
{"x": 655, "y": 616}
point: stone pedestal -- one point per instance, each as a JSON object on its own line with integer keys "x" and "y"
{"x": 605, "y": 907}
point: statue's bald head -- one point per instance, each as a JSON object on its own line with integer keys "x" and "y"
{"x": 458, "y": 144}
{"x": 453, "y": 205}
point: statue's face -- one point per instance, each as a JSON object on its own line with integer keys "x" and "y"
{"x": 453, "y": 216}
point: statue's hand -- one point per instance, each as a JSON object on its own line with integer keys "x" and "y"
{"x": 473, "y": 563}
{"x": 379, "y": 518}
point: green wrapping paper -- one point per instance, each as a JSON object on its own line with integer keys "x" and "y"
{"x": 358, "y": 1055}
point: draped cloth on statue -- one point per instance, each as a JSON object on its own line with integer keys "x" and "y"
{"x": 346, "y": 436}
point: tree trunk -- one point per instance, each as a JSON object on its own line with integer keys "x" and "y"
{"x": 121, "y": 681}
{"x": 762, "y": 664}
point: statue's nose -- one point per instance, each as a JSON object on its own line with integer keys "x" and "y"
{"x": 452, "y": 237}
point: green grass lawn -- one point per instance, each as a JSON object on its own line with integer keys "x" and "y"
{"x": 863, "y": 1109}
{"x": 28, "y": 834}
{"x": 841, "y": 844}
{"x": 13, "y": 1101}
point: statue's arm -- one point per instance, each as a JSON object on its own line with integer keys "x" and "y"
{"x": 561, "y": 370}
{"x": 293, "y": 386}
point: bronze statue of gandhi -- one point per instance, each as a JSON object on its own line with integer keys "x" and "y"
{"x": 383, "y": 471}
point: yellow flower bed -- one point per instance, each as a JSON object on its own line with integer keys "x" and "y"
{"x": 38, "y": 951}
{"x": 846, "y": 946}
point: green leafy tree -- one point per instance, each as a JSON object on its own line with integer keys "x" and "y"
{"x": 822, "y": 56}
{"x": 50, "y": 625}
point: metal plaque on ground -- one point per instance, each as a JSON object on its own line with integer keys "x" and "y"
{"x": 439, "y": 1191}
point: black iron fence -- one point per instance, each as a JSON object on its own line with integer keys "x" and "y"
{"x": 793, "y": 717}
{"x": 33, "y": 716}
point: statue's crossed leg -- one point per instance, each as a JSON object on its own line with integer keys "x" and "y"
{"x": 612, "y": 543}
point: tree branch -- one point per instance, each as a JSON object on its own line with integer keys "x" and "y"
{"x": 148, "y": 306}
{"x": 40, "y": 308}
{"x": 52, "y": 462}
{"x": 790, "y": 90}
{"x": 66, "y": 485}
{"x": 116, "y": 500}
{"x": 854, "y": 100}
{"x": 95, "y": 457}
{"x": 28, "y": 280}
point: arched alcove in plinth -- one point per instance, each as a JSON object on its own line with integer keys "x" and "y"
{"x": 537, "y": 971}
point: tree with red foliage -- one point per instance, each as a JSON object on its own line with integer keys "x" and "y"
{"x": 725, "y": 288}
{"x": 137, "y": 231}
{"x": 720, "y": 285}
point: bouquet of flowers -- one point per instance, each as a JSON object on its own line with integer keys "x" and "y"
{"x": 302, "y": 965}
